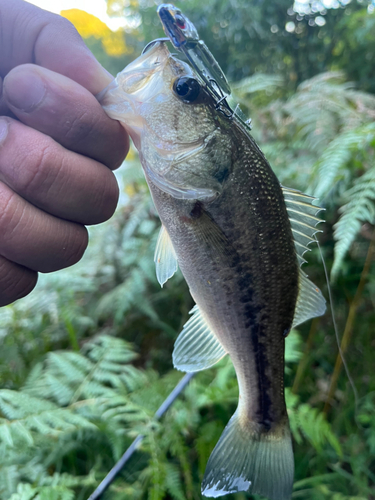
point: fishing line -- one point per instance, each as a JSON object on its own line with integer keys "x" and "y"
{"x": 115, "y": 471}
{"x": 351, "y": 381}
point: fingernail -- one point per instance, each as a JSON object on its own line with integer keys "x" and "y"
{"x": 24, "y": 89}
{"x": 4, "y": 126}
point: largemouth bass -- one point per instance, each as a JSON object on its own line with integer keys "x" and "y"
{"x": 238, "y": 238}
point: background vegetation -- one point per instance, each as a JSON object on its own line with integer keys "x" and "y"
{"x": 86, "y": 358}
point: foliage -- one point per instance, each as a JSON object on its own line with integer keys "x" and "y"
{"x": 72, "y": 402}
{"x": 251, "y": 37}
{"x": 85, "y": 360}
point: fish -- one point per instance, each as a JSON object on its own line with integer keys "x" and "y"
{"x": 239, "y": 238}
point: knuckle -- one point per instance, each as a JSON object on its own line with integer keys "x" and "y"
{"x": 37, "y": 172}
{"x": 42, "y": 170}
{"x": 8, "y": 209}
{"x": 80, "y": 128}
{"x": 30, "y": 162}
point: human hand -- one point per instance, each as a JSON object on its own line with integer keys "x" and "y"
{"x": 57, "y": 146}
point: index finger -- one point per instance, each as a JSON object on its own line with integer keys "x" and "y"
{"x": 32, "y": 35}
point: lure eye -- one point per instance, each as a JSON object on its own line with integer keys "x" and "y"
{"x": 180, "y": 21}
{"x": 186, "y": 88}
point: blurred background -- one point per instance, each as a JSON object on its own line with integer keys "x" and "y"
{"x": 85, "y": 360}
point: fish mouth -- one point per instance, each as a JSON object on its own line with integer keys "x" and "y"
{"x": 151, "y": 59}
{"x": 122, "y": 97}
{"x": 138, "y": 73}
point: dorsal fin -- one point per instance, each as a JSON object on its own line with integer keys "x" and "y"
{"x": 310, "y": 301}
{"x": 303, "y": 219}
{"x": 165, "y": 257}
{"x": 197, "y": 347}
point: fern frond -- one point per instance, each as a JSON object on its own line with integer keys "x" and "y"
{"x": 173, "y": 482}
{"x": 306, "y": 421}
{"x": 326, "y": 105}
{"x": 55, "y": 487}
{"x": 25, "y": 415}
{"x": 360, "y": 208}
{"x": 100, "y": 368}
{"x": 126, "y": 296}
{"x": 137, "y": 216}
{"x": 330, "y": 168}
{"x": 259, "y": 82}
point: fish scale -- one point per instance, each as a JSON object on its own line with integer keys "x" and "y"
{"x": 241, "y": 220}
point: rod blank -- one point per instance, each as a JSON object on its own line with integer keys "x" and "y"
{"x": 113, "y": 473}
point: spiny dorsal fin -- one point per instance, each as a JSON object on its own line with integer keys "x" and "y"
{"x": 165, "y": 257}
{"x": 303, "y": 219}
{"x": 197, "y": 347}
{"x": 310, "y": 301}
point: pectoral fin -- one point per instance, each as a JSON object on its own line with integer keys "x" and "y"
{"x": 165, "y": 257}
{"x": 197, "y": 347}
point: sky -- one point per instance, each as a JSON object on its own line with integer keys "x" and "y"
{"x": 96, "y": 7}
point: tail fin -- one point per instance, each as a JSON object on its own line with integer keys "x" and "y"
{"x": 248, "y": 458}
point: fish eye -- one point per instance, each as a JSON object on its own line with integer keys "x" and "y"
{"x": 186, "y": 88}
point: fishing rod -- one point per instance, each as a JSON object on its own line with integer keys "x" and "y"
{"x": 117, "y": 468}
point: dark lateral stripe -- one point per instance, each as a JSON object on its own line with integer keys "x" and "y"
{"x": 264, "y": 412}
{"x": 257, "y": 332}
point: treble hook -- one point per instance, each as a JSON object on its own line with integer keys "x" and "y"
{"x": 152, "y": 43}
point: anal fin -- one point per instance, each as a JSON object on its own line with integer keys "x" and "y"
{"x": 197, "y": 347}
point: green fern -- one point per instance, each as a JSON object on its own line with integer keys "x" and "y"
{"x": 360, "y": 208}
{"x": 26, "y": 415}
{"x": 99, "y": 371}
{"x": 334, "y": 164}
{"x": 308, "y": 422}
{"x": 55, "y": 487}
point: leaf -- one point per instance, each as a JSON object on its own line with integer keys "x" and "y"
{"x": 359, "y": 209}
{"x": 333, "y": 163}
